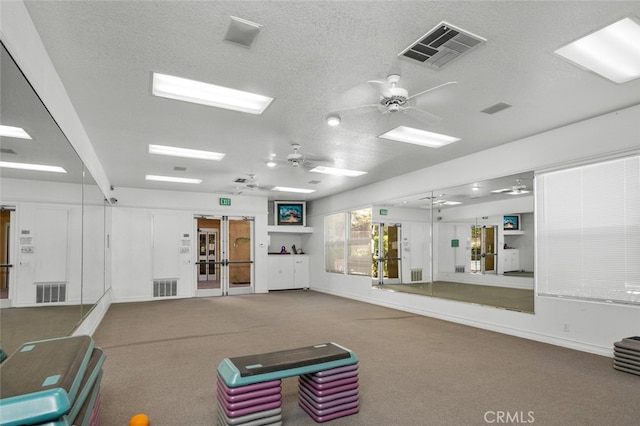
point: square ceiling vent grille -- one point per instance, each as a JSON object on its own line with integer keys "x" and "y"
{"x": 441, "y": 45}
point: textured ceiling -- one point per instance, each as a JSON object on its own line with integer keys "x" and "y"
{"x": 308, "y": 55}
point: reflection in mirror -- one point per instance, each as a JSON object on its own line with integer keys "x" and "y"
{"x": 481, "y": 236}
{"x": 42, "y": 293}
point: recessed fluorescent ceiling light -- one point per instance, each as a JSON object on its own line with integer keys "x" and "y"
{"x": 337, "y": 172}
{"x": 183, "y": 89}
{"x": 418, "y": 137}
{"x": 36, "y": 167}
{"x": 184, "y": 152}
{"x": 13, "y": 132}
{"x": 613, "y": 52}
{"x": 172, "y": 179}
{"x": 287, "y": 189}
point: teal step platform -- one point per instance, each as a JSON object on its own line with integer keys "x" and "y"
{"x": 249, "y": 387}
{"x": 245, "y": 370}
{"x": 41, "y": 380}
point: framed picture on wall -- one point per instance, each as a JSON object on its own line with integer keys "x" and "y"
{"x": 511, "y": 222}
{"x": 290, "y": 213}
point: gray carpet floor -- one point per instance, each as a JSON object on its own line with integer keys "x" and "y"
{"x": 21, "y": 325}
{"x": 162, "y": 358}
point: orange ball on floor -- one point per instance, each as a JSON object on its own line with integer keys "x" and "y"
{"x": 139, "y": 420}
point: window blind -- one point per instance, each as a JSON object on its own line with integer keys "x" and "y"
{"x": 588, "y": 226}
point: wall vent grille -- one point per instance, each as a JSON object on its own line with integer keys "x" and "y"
{"x": 51, "y": 292}
{"x": 441, "y": 45}
{"x": 416, "y": 274}
{"x": 165, "y": 287}
{"x": 460, "y": 268}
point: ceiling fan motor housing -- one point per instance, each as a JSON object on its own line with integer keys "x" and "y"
{"x": 396, "y": 99}
{"x": 393, "y": 103}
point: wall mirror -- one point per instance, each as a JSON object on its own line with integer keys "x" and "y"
{"x": 53, "y": 223}
{"x": 472, "y": 243}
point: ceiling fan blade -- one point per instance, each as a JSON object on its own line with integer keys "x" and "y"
{"x": 382, "y": 87}
{"x": 361, "y": 109}
{"x": 362, "y": 94}
{"x": 421, "y": 115}
{"x": 424, "y": 92}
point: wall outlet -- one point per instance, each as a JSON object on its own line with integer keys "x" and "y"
{"x": 566, "y": 327}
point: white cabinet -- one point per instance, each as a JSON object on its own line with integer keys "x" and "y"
{"x": 300, "y": 271}
{"x": 288, "y": 271}
{"x": 511, "y": 260}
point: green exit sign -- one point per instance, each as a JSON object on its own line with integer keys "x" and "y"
{"x": 383, "y": 212}
{"x": 225, "y": 201}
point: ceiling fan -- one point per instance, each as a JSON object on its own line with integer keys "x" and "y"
{"x": 248, "y": 184}
{"x": 297, "y": 159}
{"x": 388, "y": 97}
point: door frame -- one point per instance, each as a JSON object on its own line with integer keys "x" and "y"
{"x": 11, "y": 246}
{"x": 380, "y": 256}
{"x": 225, "y": 288}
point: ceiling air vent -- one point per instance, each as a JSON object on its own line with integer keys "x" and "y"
{"x": 441, "y": 45}
{"x": 242, "y": 32}
{"x": 180, "y": 169}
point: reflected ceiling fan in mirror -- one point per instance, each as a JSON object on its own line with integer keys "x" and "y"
{"x": 439, "y": 201}
{"x": 387, "y": 97}
{"x": 517, "y": 189}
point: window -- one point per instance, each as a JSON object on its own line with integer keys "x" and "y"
{"x": 359, "y": 244}
{"x": 334, "y": 242}
{"x": 347, "y": 240}
{"x": 588, "y": 221}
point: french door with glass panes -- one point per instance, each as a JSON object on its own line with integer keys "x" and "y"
{"x": 225, "y": 255}
{"x": 483, "y": 249}
{"x": 386, "y": 265}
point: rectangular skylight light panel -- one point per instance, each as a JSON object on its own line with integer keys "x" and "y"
{"x": 337, "y": 172}
{"x": 613, "y": 52}
{"x": 288, "y": 189}
{"x": 172, "y": 179}
{"x": 184, "y": 152}
{"x": 13, "y": 132}
{"x": 35, "y": 167}
{"x": 418, "y": 137}
{"x": 183, "y": 89}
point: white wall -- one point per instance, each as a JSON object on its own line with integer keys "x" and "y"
{"x": 593, "y": 326}
{"x": 133, "y": 239}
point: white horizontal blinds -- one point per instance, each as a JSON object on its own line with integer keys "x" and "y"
{"x": 335, "y": 242}
{"x": 359, "y": 242}
{"x": 588, "y": 221}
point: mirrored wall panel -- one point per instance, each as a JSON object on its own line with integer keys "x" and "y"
{"x": 471, "y": 243}
{"x": 53, "y": 217}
